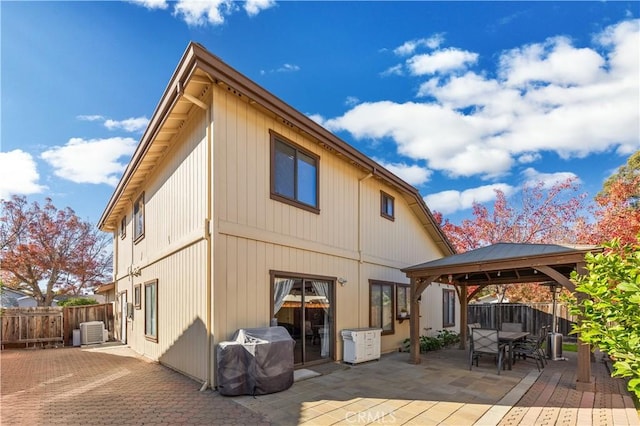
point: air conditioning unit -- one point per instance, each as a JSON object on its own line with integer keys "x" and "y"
{"x": 91, "y": 332}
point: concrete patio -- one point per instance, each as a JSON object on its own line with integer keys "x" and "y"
{"x": 442, "y": 390}
{"x": 112, "y": 385}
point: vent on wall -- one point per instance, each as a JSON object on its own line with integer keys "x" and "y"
{"x": 91, "y": 332}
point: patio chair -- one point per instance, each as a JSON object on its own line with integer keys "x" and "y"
{"x": 532, "y": 349}
{"x": 484, "y": 341}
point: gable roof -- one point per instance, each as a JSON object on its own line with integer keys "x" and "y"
{"x": 505, "y": 263}
{"x": 197, "y": 70}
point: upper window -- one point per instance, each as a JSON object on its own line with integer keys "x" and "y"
{"x": 138, "y": 218}
{"x": 387, "y": 207}
{"x": 123, "y": 227}
{"x": 294, "y": 174}
{"x": 151, "y": 310}
{"x": 381, "y": 302}
{"x": 448, "y": 308}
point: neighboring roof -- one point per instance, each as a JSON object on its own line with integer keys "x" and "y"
{"x": 197, "y": 70}
{"x": 105, "y": 288}
{"x": 505, "y": 263}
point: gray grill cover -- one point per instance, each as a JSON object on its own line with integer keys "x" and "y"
{"x": 257, "y": 361}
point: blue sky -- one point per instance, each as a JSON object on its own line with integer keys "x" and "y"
{"x": 458, "y": 98}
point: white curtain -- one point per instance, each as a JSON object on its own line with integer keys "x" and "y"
{"x": 281, "y": 287}
{"x": 322, "y": 289}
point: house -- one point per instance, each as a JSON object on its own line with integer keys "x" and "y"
{"x": 105, "y": 293}
{"x": 11, "y": 298}
{"x": 238, "y": 211}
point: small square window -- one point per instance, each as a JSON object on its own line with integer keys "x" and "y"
{"x": 387, "y": 207}
{"x": 138, "y": 218}
{"x": 123, "y": 227}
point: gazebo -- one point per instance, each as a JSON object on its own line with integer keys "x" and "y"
{"x": 502, "y": 263}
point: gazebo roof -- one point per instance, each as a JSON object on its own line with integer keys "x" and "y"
{"x": 503, "y": 263}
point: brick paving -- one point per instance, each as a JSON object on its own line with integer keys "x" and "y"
{"x": 112, "y": 385}
{"x": 74, "y": 386}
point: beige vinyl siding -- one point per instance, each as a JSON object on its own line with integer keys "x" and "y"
{"x": 255, "y": 234}
{"x": 242, "y": 179}
{"x": 173, "y": 251}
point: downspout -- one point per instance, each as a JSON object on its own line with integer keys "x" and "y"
{"x": 360, "y": 238}
{"x": 209, "y": 249}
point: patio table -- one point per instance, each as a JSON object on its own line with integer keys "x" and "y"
{"x": 510, "y": 337}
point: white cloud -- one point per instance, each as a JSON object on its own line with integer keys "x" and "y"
{"x": 284, "y": 68}
{"x": 91, "y": 161}
{"x": 253, "y": 7}
{"x": 202, "y": 12}
{"x": 547, "y": 97}
{"x": 441, "y": 61}
{"x": 351, "y": 101}
{"x": 136, "y": 124}
{"x": 447, "y": 202}
{"x": 90, "y": 117}
{"x": 18, "y": 174}
{"x": 409, "y": 47}
{"x": 151, "y": 4}
{"x": 554, "y": 62}
{"x": 533, "y": 177}
{"x": 317, "y": 118}
{"x": 394, "y": 70}
{"x": 413, "y": 174}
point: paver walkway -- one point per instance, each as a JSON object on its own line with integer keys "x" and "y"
{"x": 110, "y": 385}
{"x": 441, "y": 390}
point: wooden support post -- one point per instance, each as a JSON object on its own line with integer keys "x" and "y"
{"x": 414, "y": 323}
{"x": 462, "y": 295}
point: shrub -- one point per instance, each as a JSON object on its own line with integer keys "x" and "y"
{"x": 78, "y": 301}
{"x": 611, "y": 309}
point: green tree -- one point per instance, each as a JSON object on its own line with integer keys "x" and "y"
{"x": 610, "y": 312}
{"x": 627, "y": 173}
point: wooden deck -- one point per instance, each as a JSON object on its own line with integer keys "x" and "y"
{"x": 554, "y": 400}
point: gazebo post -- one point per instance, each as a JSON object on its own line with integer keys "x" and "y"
{"x": 462, "y": 295}
{"x": 414, "y": 323}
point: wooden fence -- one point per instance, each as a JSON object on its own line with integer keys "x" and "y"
{"x": 74, "y": 315}
{"x": 31, "y": 325}
{"x": 532, "y": 315}
{"x": 49, "y": 325}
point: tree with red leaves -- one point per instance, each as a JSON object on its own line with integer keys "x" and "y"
{"x": 44, "y": 250}
{"x": 539, "y": 215}
{"x": 617, "y": 211}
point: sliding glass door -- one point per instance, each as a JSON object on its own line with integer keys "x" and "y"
{"x": 304, "y": 306}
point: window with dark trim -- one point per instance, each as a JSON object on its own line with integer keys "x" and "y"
{"x": 138, "y": 218}
{"x": 448, "y": 308}
{"x": 294, "y": 174}
{"x": 151, "y": 310}
{"x": 381, "y": 306}
{"x": 123, "y": 227}
{"x": 403, "y": 305}
{"x": 137, "y": 296}
{"x": 387, "y": 206}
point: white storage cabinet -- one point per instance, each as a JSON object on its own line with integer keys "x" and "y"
{"x": 361, "y": 344}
